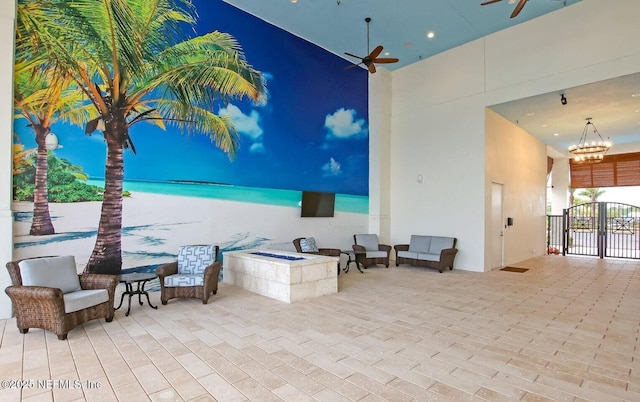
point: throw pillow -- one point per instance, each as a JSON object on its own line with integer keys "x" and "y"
{"x": 194, "y": 259}
{"x": 308, "y": 245}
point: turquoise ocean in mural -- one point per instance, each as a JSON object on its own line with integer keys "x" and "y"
{"x": 286, "y": 198}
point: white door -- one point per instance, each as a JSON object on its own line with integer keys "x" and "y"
{"x": 497, "y": 226}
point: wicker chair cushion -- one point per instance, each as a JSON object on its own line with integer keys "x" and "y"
{"x": 368, "y": 241}
{"x": 420, "y": 244}
{"x": 81, "y": 299}
{"x": 177, "y": 280}
{"x": 194, "y": 259}
{"x": 308, "y": 245}
{"x": 440, "y": 243}
{"x": 407, "y": 254}
{"x": 53, "y": 272}
{"x": 376, "y": 254}
{"x": 428, "y": 257}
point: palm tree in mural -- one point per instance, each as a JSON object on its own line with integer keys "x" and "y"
{"x": 41, "y": 96}
{"x": 134, "y": 63}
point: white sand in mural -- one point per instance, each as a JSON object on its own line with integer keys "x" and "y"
{"x": 155, "y": 225}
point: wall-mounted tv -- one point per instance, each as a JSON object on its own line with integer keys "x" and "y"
{"x": 317, "y": 204}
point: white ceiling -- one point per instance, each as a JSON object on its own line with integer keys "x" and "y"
{"x": 611, "y": 104}
{"x": 401, "y": 27}
{"x": 341, "y": 28}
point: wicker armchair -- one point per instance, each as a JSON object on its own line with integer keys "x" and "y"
{"x": 329, "y": 252}
{"x": 63, "y": 305}
{"x": 194, "y": 275}
{"x": 369, "y": 252}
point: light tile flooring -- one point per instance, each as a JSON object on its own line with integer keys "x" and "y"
{"x": 566, "y": 330}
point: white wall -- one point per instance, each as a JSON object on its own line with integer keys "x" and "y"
{"x": 7, "y": 19}
{"x": 438, "y": 133}
{"x": 438, "y": 122}
{"x": 517, "y": 161}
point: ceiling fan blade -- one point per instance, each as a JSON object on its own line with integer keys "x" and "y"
{"x": 518, "y": 8}
{"x": 376, "y": 52}
{"x": 352, "y": 55}
{"x": 489, "y": 2}
{"x": 383, "y": 60}
{"x": 371, "y": 58}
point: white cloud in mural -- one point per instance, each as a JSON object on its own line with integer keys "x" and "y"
{"x": 332, "y": 168}
{"x": 343, "y": 124}
{"x": 246, "y": 124}
{"x": 257, "y": 148}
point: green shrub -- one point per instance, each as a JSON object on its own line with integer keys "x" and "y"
{"x": 65, "y": 182}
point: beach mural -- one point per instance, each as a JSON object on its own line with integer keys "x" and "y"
{"x": 142, "y": 125}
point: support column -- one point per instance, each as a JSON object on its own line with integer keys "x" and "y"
{"x": 7, "y": 34}
{"x": 560, "y": 186}
{"x": 380, "y": 154}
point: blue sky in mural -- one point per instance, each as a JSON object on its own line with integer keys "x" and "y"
{"x": 311, "y": 134}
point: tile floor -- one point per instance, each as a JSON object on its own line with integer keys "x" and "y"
{"x": 566, "y": 330}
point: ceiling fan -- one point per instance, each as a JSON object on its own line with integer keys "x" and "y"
{"x": 516, "y": 10}
{"x": 372, "y": 58}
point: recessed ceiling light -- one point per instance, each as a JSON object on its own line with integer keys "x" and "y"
{"x": 545, "y": 125}
{"x": 635, "y": 95}
{"x": 556, "y": 134}
{"x": 530, "y": 114}
{"x": 430, "y": 34}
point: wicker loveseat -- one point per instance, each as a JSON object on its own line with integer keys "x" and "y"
{"x": 427, "y": 251}
{"x": 48, "y": 293}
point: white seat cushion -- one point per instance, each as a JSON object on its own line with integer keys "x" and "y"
{"x": 429, "y": 257}
{"x": 407, "y": 254}
{"x": 183, "y": 280}
{"x": 376, "y": 254}
{"x": 194, "y": 259}
{"x": 81, "y": 299}
{"x": 53, "y": 272}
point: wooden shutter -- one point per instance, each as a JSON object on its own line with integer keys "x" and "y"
{"x": 614, "y": 171}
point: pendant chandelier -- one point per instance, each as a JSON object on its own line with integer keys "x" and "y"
{"x": 590, "y": 151}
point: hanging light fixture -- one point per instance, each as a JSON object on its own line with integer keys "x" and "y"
{"x": 590, "y": 152}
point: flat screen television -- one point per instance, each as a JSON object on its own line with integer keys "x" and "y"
{"x": 317, "y": 204}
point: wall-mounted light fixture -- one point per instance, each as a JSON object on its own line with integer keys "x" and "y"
{"x": 563, "y": 99}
